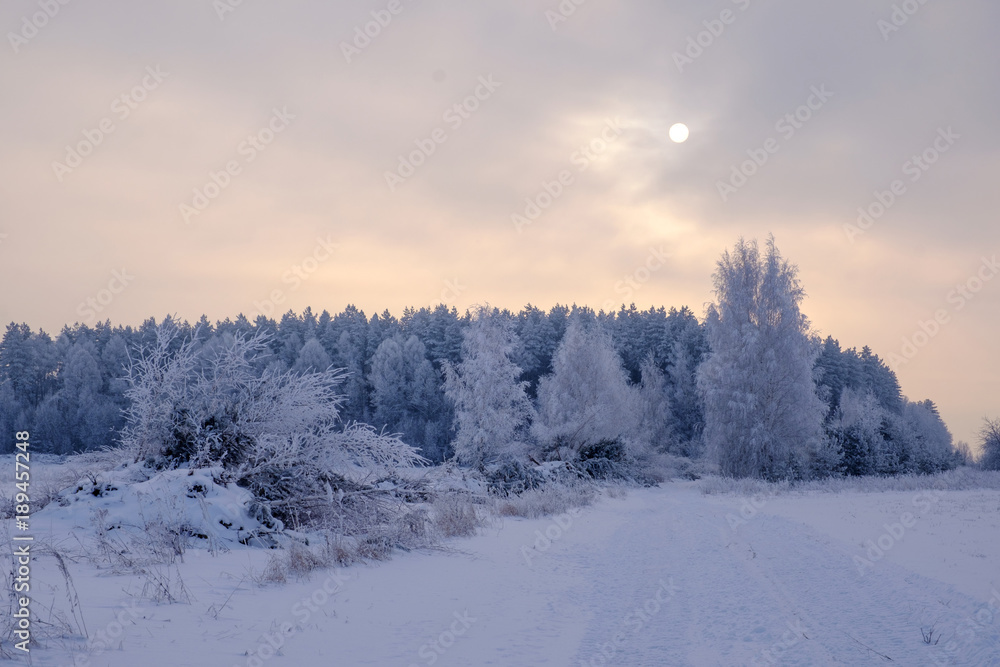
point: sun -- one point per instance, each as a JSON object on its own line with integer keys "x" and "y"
{"x": 679, "y": 133}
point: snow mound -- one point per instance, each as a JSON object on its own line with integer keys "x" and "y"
{"x": 192, "y": 504}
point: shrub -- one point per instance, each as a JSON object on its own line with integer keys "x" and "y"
{"x": 276, "y": 433}
{"x": 509, "y": 475}
{"x": 455, "y": 516}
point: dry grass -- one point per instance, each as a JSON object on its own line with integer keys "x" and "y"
{"x": 456, "y": 516}
{"x": 547, "y": 500}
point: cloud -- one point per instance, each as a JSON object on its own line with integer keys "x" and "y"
{"x": 451, "y": 219}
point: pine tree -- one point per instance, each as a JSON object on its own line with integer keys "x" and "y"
{"x": 407, "y": 397}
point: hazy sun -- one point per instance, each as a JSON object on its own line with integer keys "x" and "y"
{"x": 679, "y": 133}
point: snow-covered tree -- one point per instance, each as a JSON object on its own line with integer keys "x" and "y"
{"x": 492, "y": 410}
{"x": 990, "y": 434}
{"x": 587, "y": 398}
{"x": 857, "y": 429}
{"x": 931, "y": 448}
{"x": 277, "y": 433}
{"x": 763, "y": 417}
{"x": 312, "y": 358}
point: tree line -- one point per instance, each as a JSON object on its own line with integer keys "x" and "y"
{"x": 748, "y": 387}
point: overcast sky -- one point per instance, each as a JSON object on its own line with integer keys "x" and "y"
{"x": 116, "y": 115}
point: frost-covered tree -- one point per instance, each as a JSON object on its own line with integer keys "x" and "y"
{"x": 492, "y": 410}
{"x": 931, "y": 447}
{"x": 312, "y": 358}
{"x": 277, "y": 433}
{"x": 587, "y": 399}
{"x": 858, "y": 431}
{"x": 762, "y": 415}
{"x": 990, "y": 434}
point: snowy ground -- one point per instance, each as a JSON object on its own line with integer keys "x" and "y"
{"x": 663, "y": 576}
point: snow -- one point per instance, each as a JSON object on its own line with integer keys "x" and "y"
{"x": 661, "y": 576}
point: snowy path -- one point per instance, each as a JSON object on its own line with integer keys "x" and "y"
{"x": 657, "y": 578}
{"x": 665, "y": 573}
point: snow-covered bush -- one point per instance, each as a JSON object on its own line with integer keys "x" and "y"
{"x": 511, "y": 475}
{"x": 276, "y": 433}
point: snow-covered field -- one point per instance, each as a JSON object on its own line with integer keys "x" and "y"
{"x": 660, "y": 576}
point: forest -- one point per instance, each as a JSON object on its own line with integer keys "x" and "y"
{"x": 557, "y": 384}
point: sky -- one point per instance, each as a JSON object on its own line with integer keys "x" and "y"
{"x": 228, "y": 156}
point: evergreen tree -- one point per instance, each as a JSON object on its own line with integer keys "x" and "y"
{"x": 407, "y": 396}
